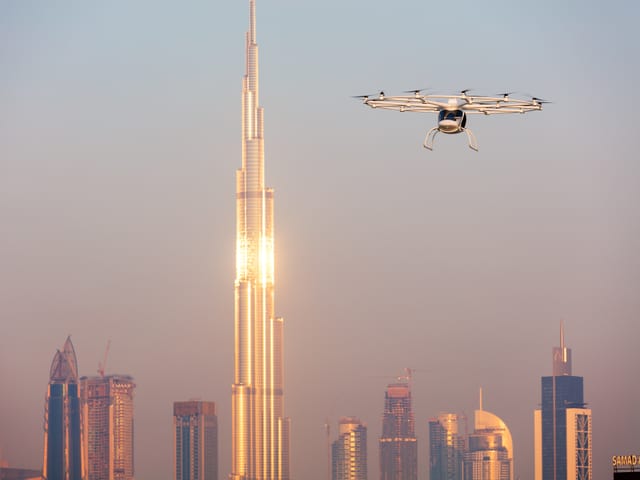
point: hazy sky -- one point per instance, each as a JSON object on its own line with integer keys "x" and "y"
{"x": 119, "y": 140}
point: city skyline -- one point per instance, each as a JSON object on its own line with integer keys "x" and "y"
{"x": 119, "y": 136}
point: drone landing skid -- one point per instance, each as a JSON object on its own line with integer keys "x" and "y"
{"x": 431, "y": 134}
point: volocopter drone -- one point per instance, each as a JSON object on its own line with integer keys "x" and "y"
{"x": 452, "y": 110}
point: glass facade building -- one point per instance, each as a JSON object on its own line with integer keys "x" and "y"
{"x": 195, "y": 440}
{"x": 562, "y": 425}
{"x": 260, "y": 431}
{"x": 446, "y": 448}
{"x": 107, "y": 413}
{"x": 62, "y": 419}
{"x": 489, "y": 454}
{"x": 398, "y": 443}
{"x": 349, "y": 451}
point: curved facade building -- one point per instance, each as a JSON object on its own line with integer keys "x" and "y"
{"x": 489, "y": 453}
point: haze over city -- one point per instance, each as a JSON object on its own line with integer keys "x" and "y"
{"x": 119, "y": 142}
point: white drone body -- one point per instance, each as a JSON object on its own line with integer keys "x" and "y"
{"x": 452, "y": 110}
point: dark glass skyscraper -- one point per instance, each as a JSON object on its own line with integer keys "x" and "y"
{"x": 563, "y": 424}
{"x": 398, "y": 444}
{"x": 195, "y": 440}
{"x": 446, "y": 448}
{"x": 62, "y": 425}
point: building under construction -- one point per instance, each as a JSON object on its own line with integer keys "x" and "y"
{"x": 107, "y": 417}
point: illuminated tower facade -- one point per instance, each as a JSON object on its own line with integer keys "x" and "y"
{"x": 398, "y": 444}
{"x": 62, "y": 425}
{"x": 107, "y": 414}
{"x": 195, "y": 440}
{"x": 349, "y": 451}
{"x": 562, "y": 425}
{"x": 489, "y": 454}
{"x": 260, "y": 432}
{"x": 446, "y": 448}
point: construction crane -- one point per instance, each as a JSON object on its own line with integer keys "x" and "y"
{"x": 103, "y": 365}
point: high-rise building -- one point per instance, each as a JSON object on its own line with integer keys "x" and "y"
{"x": 563, "y": 424}
{"x": 398, "y": 444}
{"x": 446, "y": 448}
{"x": 62, "y": 419}
{"x": 107, "y": 418}
{"x": 195, "y": 440}
{"x": 349, "y": 451}
{"x": 489, "y": 454}
{"x": 260, "y": 431}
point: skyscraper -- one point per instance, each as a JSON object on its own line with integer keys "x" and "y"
{"x": 349, "y": 451}
{"x": 62, "y": 426}
{"x": 260, "y": 432}
{"x": 446, "y": 448}
{"x": 195, "y": 440}
{"x": 562, "y": 425}
{"x": 489, "y": 454}
{"x": 107, "y": 418}
{"x": 398, "y": 444}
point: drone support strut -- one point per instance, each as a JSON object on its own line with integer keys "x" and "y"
{"x": 428, "y": 141}
{"x": 431, "y": 134}
{"x": 473, "y": 144}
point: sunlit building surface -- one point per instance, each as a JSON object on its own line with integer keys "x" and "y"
{"x": 562, "y": 425}
{"x": 195, "y": 440}
{"x": 349, "y": 451}
{"x": 489, "y": 454}
{"x": 398, "y": 444}
{"x": 62, "y": 425}
{"x": 260, "y": 432}
{"x": 446, "y": 448}
{"x": 107, "y": 418}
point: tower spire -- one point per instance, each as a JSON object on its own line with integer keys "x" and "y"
{"x": 561, "y": 356}
{"x": 252, "y": 21}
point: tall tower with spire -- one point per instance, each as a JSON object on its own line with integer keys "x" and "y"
{"x": 260, "y": 432}
{"x": 562, "y": 425}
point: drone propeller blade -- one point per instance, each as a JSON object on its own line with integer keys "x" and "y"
{"x": 504, "y": 94}
{"x": 417, "y": 91}
{"x": 465, "y": 91}
{"x": 538, "y": 100}
{"x": 361, "y": 96}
